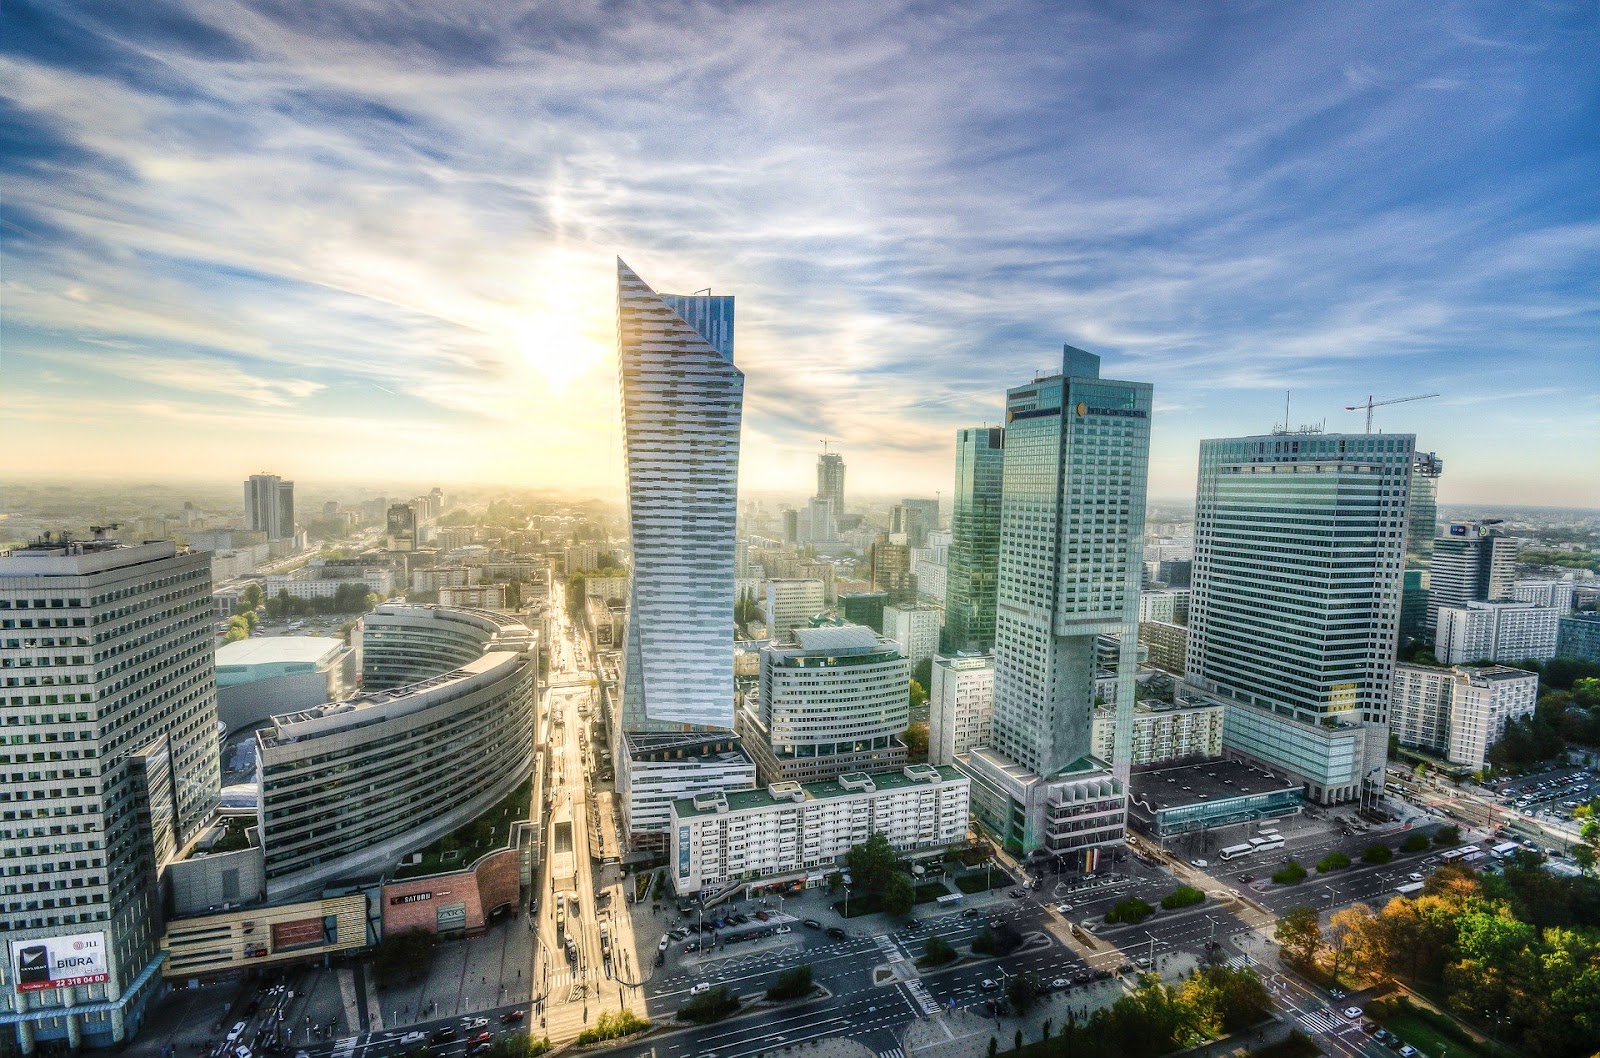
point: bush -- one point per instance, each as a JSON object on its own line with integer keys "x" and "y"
{"x": 1183, "y": 896}
{"x": 1333, "y": 861}
{"x": 1377, "y": 854}
{"x": 1130, "y": 910}
{"x": 997, "y": 940}
{"x": 509, "y": 1045}
{"x": 612, "y": 1025}
{"x": 709, "y": 1006}
{"x": 792, "y": 983}
{"x": 1415, "y": 843}
{"x": 937, "y": 952}
{"x": 1023, "y": 992}
{"x": 1290, "y": 873}
{"x": 1450, "y": 835}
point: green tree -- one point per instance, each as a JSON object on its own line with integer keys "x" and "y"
{"x": 1377, "y": 853}
{"x": 1334, "y": 861}
{"x": 919, "y": 694}
{"x": 937, "y": 951}
{"x": 1291, "y": 873}
{"x": 871, "y": 863}
{"x": 1447, "y": 836}
{"x": 238, "y": 629}
{"x": 577, "y": 587}
{"x": 792, "y": 983}
{"x": 898, "y": 895}
{"x": 916, "y": 739}
{"x": 1415, "y": 842}
{"x": 922, "y": 672}
{"x": 1300, "y": 934}
{"x": 250, "y": 596}
{"x": 1023, "y": 991}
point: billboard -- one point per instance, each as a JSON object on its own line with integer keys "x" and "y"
{"x": 301, "y": 933}
{"x": 58, "y": 962}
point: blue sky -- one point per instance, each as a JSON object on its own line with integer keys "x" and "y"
{"x": 367, "y": 242}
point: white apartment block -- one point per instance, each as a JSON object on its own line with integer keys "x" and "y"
{"x": 1496, "y": 631}
{"x": 445, "y": 577}
{"x": 580, "y": 557}
{"x": 1556, "y": 594}
{"x": 1163, "y": 733}
{"x": 476, "y": 596}
{"x": 791, "y": 603}
{"x": 932, "y": 577}
{"x": 657, "y": 770}
{"x": 1169, "y": 606}
{"x": 606, "y": 587}
{"x": 790, "y": 828}
{"x": 316, "y": 582}
{"x": 960, "y": 706}
{"x": 1459, "y": 712}
{"x": 915, "y": 628}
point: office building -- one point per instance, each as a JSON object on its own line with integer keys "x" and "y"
{"x": 816, "y": 523}
{"x": 1422, "y": 526}
{"x": 1184, "y": 798}
{"x": 1295, "y": 608}
{"x": 1578, "y": 636}
{"x": 1169, "y": 606}
{"x": 914, "y": 520}
{"x": 262, "y": 675}
{"x": 1555, "y": 594}
{"x": 974, "y": 559}
{"x": 269, "y": 506}
{"x": 1458, "y": 713}
{"x": 1163, "y": 731}
{"x": 1472, "y": 562}
{"x": 399, "y": 644}
{"x": 791, "y": 604}
{"x": 960, "y": 706}
{"x": 682, "y": 401}
{"x": 864, "y": 608}
{"x": 915, "y": 629}
{"x": 1175, "y": 572}
{"x": 1496, "y": 631}
{"x": 106, "y": 651}
{"x": 838, "y": 702}
{"x": 400, "y": 527}
{"x": 1071, "y": 531}
{"x": 830, "y": 480}
{"x": 892, "y": 570}
{"x": 790, "y": 831}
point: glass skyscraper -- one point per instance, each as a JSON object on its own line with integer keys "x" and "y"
{"x": 974, "y": 557}
{"x": 1076, "y": 457}
{"x": 830, "y": 481}
{"x": 1300, "y": 547}
{"x": 1422, "y": 525}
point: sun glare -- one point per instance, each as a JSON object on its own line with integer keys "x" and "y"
{"x": 567, "y": 325}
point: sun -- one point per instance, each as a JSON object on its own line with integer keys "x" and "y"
{"x": 567, "y": 325}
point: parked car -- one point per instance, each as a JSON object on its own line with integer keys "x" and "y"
{"x": 780, "y": 930}
{"x": 692, "y": 947}
{"x": 1408, "y": 1051}
{"x": 811, "y": 923}
{"x": 1061, "y": 982}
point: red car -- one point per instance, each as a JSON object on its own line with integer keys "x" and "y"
{"x": 762, "y": 915}
{"x": 511, "y": 1017}
{"x": 483, "y": 1037}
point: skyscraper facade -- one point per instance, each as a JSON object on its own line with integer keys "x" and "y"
{"x": 107, "y": 651}
{"x": 830, "y": 480}
{"x": 1071, "y": 529}
{"x": 1422, "y": 525}
{"x": 974, "y": 541}
{"x": 921, "y": 525}
{"x": 1472, "y": 562}
{"x": 1295, "y": 608}
{"x": 269, "y": 505}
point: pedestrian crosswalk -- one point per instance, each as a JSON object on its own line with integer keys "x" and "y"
{"x": 1321, "y": 1021}
{"x": 890, "y": 949}
{"x": 922, "y": 997}
{"x": 892, "y": 1052}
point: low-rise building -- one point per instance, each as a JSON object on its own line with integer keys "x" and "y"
{"x": 477, "y": 596}
{"x": 1078, "y": 814}
{"x": 1213, "y": 793}
{"x": 263, "y": 675}
{"x": 1458, "y": 713}
{"x": 960, "y": 706}
{"x": 1167, "y": 643}
{"x": 1164, "y": 732}
{"x": 789, "y": 828}
{"x": 445, "y": 577}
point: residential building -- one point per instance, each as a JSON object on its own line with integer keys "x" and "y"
{"x": 864, "y": 608}
{"x": 1458, "y": 713}
{"x": 837, "y": 702}
{"x": 436, "y": 577}
{"x": 269, "y": 506}
{"x": 791, "y": 604}
{"x": 1071, "y": 530}
{"x": 1168, "y": 644}
{"x": 791, "y": 829}
{"x": 682, "y": 401}
{"x": 262, "y": 675}
{"x": 892, "y": 571}
{"x": 830, "y": 480}
{"x": 106, "y": 651}
{"x": 915, "y": 628}
{"x": 1555, "y": 594}
{"x": 581, "y": 556}
{"x": 933, "y": 577}
{"x": 318, "y": 582}
{"x": 1472, "y": 562}
{"x": 1295, "y": 607}
{"x": 474, "y": 596}
{"x": 1579, "y": 636}
{"x": 960, "y": 706}
{"x": 1163, "y": 731}
{"x": 1496, "y": 631}
{"x": 1169, "y": 606}
{"x": 1422, "y": 527}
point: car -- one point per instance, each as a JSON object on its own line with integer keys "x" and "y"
{"x": 836, "y": 933}
{"x": 474, "y": 1023}
{"x": 483, "y": 1037}
{"x": 912, "y": 923}
{"x": 444, "y": 1035}
{"x": 1142, "y": 962}
{"x": 241, "y": 1051}
{"x": 989, "y": 985}
{"x": 511, "y": 1017}
{"x": 1408, "y": 1051}
{"x": 970, "y": 912}
{"x": 782, "y": 930}
{"x": 1394, "y": 1043}
{"x": 1414, "y": 877}
{"x": 1352, "y": 1013}
{"x": 1083, "y": 977}
{"x": 1061, "y": 982}
{"x": 1063, "y": 908}
{"x": 810, "y": 923}
{"x": 1247, "y": 878}
{"x": 678, "y": 934}
{"x": 413, "y": 1037}
{"x": 700, "y": 989}
{"x": 1090, "y": 925}
{"x": 1202, "y": 864}
{"x": 1369, "y": 1027}
{"x": 1016, "y": 894}
{"x": 762, "y": 915}
{"x": 692, "y": 947}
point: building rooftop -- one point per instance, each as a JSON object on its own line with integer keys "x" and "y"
{"x": 837, "y": 639}
{"x": 798, "y": 793}
{"x": 1212, "y": 780}
{"x": 278, "y": 650}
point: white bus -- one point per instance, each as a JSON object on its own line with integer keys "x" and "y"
{"x": 1267, "y": 843}
{"x": 1409, "y": 888}
{"x": 1458, "y": 854}
{"x": 1233, "y": 852}
{"x": 1504, "y": 849}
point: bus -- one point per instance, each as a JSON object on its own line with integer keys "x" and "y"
{"x": 1409, "y": 888}
{"x": 1233, "y": 852}
{"x": 1458, "y": 854}
{"x": 1269, "y": 832}
{"x": 1504, "y": 849}
{"x": 1266, "y": 844}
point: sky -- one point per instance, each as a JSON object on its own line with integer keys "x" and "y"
{"x": 360, "y": 241}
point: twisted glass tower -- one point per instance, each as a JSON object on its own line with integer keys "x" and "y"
{"x": 682, "y": 401}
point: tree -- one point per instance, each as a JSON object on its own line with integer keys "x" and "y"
{"x": 710, "y": 1006}
{"x": 792, "y": 983}
{"x": 1300, "y": 934}
{"x": 1023, "y": 991}
{"x": 238, "y": 629}
{"x": 871, "y": 863}
{"x": 1415, "y": 843}
{"x": 898, "y": 895}
{"x": 577, "y": 590}
{"x": 916, "y": 739}
{"x": 250, "y": 597}
{"x": 1291, "y": 873}
{"x": 1334, "y": 861}
{"x": 1449, "y": 835}
{"x": 937, "y": 951}
{"x": 1225, "y": 998}
{"x": 919, "y": 694}
{"x": 1377, "y": 853}
{"x": 922, "y": 672}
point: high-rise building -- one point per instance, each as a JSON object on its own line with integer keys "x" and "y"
{"x": 960, "y": 706}
{"x": 1295, "y": 607}
{"x": 1497, "y": 631}
{"x": 974, "y": 559}
{"x": 791, "y": 604}
{"x": 838, "y": 702}
{"x": 682, "y": 401}
{"x": 893, "y": 571}
{"x": 915, "y": 628}
{"x": 830, "y": 480}
{"x": 1071, "y": 532}
{"x": 1578, "y": 636}
{"x": 1458, "y": 713}
{"x": 400, "y": 527}
{"x": 1472, "y": 562}
{"x": 269, "y": 505}
{"x": 925, "y": 521}
{"x": 107, "y": 651}
{"x": 815, "y": 523}
{"x": 864, "y": 608}
{"x": 1556, "y": 594}
{"x": 1422, "y": 525}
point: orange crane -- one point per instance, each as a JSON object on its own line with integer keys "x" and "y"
{"x": 1370, "y": 404}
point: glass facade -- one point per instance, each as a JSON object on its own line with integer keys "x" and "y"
{"x": 1422, "y": 526}
{"x": 974, "y": 541}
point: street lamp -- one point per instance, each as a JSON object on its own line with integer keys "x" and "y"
{"x": 847, "y": 901}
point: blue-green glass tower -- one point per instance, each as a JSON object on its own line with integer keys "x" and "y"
{"x": 974, "y": 541}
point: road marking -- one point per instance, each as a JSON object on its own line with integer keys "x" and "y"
{"x": 924, "y": 999}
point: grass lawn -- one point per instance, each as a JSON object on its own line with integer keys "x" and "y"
{"x": 927, "y": 891}
{"x": 490, "y": 831}
{"x": 973, "y": 882}
{"x": 1432, "y": 1034}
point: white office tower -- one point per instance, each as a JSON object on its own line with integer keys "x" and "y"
{"x": 682, "y": 399}
{"x": 791, "y": 603}
{"x": 960, "y": 706}
{"x": 269, "y": 505}
{"x": 915, "y": 628}
{"x": 1295, "y": 604}
{"x": 1458, "y": 713}
{"x": 1496, "y": 631}
{"x": 1071, "y": 529}
{"x": 1472, "y": 562}
{"x": 110, "y": 704}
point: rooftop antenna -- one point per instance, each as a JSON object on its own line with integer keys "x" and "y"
{"x": 1285, "y": 411}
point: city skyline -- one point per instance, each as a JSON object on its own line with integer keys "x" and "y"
{"x": 290, "y": 234}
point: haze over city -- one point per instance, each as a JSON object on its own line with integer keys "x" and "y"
{"x": 234, "y": 229}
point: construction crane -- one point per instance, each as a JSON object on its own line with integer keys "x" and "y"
{"x": 1370, "y": 404}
